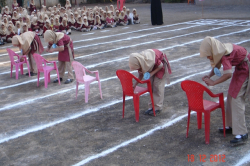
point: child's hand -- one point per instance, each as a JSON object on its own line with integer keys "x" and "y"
{"x": 209, "y": 82}
{"x": 203, "y": 78}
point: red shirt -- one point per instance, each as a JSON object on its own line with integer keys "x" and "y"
{"x": 241, "y": 69}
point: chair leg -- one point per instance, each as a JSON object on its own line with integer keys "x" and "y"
{"x": 207, "y": 127}
{"x": 188, "y": 122}
{"x": 136, "y": 107}
{"x": 199, "y": 119}
{"x": 223, "y": 119}
{"x": 11, "y": 67}
{"x": 76, "y": 88}
{"x": 123, "y": 106}
{"x": 48, "y": 77}
{"x": 38, "y": 75}
{"x": 100, "y": 89}
{"x": 86, "y": 92}
{"x": 21, "y": 68}
{"x": 45, "y": 79}
{"x": 17, "y": 71}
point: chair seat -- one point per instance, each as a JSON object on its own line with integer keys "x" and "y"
{"x": 139, "y": 89}
{"x": 88, "y": 78}
{"x": 210, "y": 105}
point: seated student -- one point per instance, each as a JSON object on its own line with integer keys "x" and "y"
{"x": 78, "y": 23}
{"x": 47, "y": 26}
{"x": 85, "y": 25}
{"x": 68, "y": 5}
{"x": 103, "y": 18}
{"x": 123, "y": 19}
{"x": 18, "y": 28}
{"x": 52, "y": 23}
{"x": 156, "y": 63}
{"x": 40, "y": 21}
{"x": 111, "y": 7}
{"x": 10, "y": 33}
{"x": 56, "y": 25}
{"x": 5, "y": 21}
{"x": 32, "y": 6}
{"x": 35, "y": 27}
{"x": 136, "y": 17}
{"x": 6, "y": 11}
{"x": 117, "y": 17}
{"x": 15, "y": 17}
{"x": 25, "y": 28}
{"x": 28, "y": 23}
{"x": 3, "y": 32}
{"x": 110, "y": 21}
{"x": 64, "y": 28}
{"x": 21, "y": 21}
{"x": 76, "y": 15}
{"x": 91, "y": 20}
{"x": 62, "y": 12}
{"x": 98, "y": 24}
{"x": 124, "y": 9}
{"x": 13, "y": 26}
{"x": 15, "y": 5}
{"x": 130, "y": 17}
{"x": 71, "y": 21}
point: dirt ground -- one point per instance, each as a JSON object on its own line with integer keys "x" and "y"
{"x": 41, "y": 126}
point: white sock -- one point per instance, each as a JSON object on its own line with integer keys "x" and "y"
{"x": 238, "y": 136}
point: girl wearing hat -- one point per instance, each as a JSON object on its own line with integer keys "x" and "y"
{"x": 29, "y": 43}
{"x": 230, "y": 55}
{"x": 65, "y": 55}
{"x": 155, "y": 62}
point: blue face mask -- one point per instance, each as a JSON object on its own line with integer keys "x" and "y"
{"x": 217, "y": 72}
{"x": 146, "y": 76}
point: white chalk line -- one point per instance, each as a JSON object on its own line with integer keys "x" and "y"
{"x": 244, "y": 160}
{"x": 88, "y": 34}
{"x": 135, "y": 139}
{"x": 104, "y": 30}
{"x": 77, "y": 115}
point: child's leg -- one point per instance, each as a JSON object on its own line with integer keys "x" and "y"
{"x": 61, "y": 68}
{"x": 70, "y": 71}
{"x": 32, "y": 63}
{"x": 238, "y": 112}
{"x": 69, "y": 31}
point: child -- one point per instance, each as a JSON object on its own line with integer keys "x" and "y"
{"x": 71, "y": 21}
{"x": 117, "y": 17}
{"x": 110, "y": 21}
{"x": 3, "y": 32}
{"x": 68, "y": 5}
{"x": 136, "y": 17}
{"x": 56, "y": 25}
{"x": 28, "y": 24}
{"x": 18, "y": 29}
{"x": 46, "y": 26}
{"x": 32, "y": 6}
{"x": 230, "y": 55}
{"x": 6, "y": 22}
{"x": 64, "y": 28}
{"x": 14, "y": 17}
{"x": 123, "y": 19}
{"x": 6, "y": 11}
{"x": 10, "y": 33}
{"x": 155, "y": 62}
{"x": 78, "y": 23}
{"x": 65, "y": 53}
{"x": 14, "y": 5}
{"x": 130, "y": 17}
{"x": 35, "y": 27}
{"x": 85, "y": 25}
{"x": 98, "y": 24}
{"x": 91, "y": 20}
{"x": 103, "y": 17}
{"x": 52, "y": 23}
{"x": 124, "y": 9}
{"x": 40, "y": 21}
{"x": 24, "y": 28}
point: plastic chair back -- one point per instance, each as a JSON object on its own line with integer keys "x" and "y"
{"x": 79, "y": 70}
{"x": 194, "y": 92}
{"x": 11, "y": 55}
{"x": 39, "y": 61}
{"x": 126, "y": 79}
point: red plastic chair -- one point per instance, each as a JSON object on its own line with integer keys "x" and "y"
{"x": 194, "y": 92}
{"x": 42, "y": 67}
{"x": 17, "y": 63}
{"x": 81, "y": 77}
{"x": 126, "y": 79}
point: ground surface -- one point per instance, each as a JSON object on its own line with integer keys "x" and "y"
{"x": 41, "y": 126}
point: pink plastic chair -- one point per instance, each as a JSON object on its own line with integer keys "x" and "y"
{"x": 17, "y": 63}
{"x": 42, "y": 67}
{"x": 126, "y": 79}
{"x": 81, "y": 77}
{"x": 194, "y": 92}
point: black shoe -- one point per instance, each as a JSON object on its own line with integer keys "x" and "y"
{"x": 152, "y": 112}
{"x": 68, "y": 81}
{"x": 228, "y": 131}
{"x": 239, "y": 140}
{"x": 56, "y": 80}
{"x": 31, "y": 74}
{"x": 149, "y": 110}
